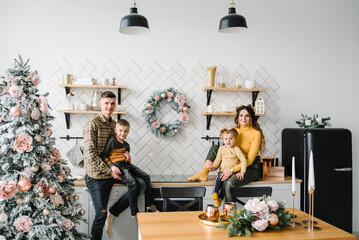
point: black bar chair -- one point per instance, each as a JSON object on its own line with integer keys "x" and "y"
{"x": 183, "y": 198}
{"x": 249, "y": 192}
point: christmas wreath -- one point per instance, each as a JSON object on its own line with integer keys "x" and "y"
{"x": 177, "y": 102}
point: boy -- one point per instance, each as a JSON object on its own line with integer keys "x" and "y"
{"x": 116, "y": 156}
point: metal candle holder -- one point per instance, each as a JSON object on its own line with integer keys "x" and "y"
{"x": 292, "y": 223}
{"x": 310, "y": 223}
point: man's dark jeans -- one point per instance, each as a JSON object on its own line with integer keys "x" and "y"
{"x": 100, "y": 192}
{"x": 129, "y": 173}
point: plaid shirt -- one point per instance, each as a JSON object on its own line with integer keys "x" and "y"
{"x": 96, "y": 133}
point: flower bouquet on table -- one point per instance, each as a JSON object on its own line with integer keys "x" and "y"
{"x": 257, "y": 215}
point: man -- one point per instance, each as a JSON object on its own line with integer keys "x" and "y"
{"x": 99, "y": 177}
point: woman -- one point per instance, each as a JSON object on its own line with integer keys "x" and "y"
{"x": 250, "y": 140}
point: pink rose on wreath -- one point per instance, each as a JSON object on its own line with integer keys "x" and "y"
{"x": 43, "y": 104}
{"x": 156, "y": 98}
{"x": 273, "y": 205}
{"x": 23, "y": 224}
{"x": 67, "y": 223}
{"x": 257, "y": 207}
{"x": 170, "y": 94}
{"x": 180, "y": 107}
{"x": 183, "y": 117}
{"x": 156, "y": 124}
{"x": 163, "y": 95}
{"x": 55, "y": 153}
{"x": 260, "y": 225}
{"x": 169, "y": 99}
{"x": 7, "y": 190}
{"x": 179, "y": 99}
{"x": 162, "y": 129}
{"x": 23, "y": 143}
{"x": 15, "y": 91}
{"x": 148, "y": 105}
{"x": 35, "y": 79}
{"x": 15, "y": 111}
{"x": 35, "y": 114}
{"x": 3, "y": 217}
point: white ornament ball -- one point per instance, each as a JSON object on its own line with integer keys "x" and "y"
{"x": 163, "y": 95}
{"x": 46, "y": 211}
{"x": 147, "y": 112}
{"x": 63, "y": 212}
{"x": 35, "y": 168}
{"x": 19, "y": 200}
{"x": 38, "y": 138}
{"x": 5, "y": 166}
{"x": 3, "y": 217}
{"x": 76, "y": 197}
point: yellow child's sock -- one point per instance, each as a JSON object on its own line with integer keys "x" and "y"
{"x": 202, "y": 175}
{"x": 218, "y": 202}
{"x": 215, "y": 196}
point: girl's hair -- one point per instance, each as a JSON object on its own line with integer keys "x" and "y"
{"x": 228, "y": 131}
{"x": 253, "y": 123}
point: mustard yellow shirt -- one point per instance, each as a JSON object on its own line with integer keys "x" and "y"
{"x": 227, "y": 158}
{"x": 249, "y": 141}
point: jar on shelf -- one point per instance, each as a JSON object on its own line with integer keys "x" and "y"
{"x": 70, "y": 101}
{"x": 238, "y": 83}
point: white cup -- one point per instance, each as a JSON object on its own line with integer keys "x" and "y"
{"x": 210, "y": 108}
{"x": 250, "y": 84}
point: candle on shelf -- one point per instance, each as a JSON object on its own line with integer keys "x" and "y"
{"x": 293, "y": 175}
{"x": 311, "y": 181}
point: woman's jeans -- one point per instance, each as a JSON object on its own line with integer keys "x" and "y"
{"x": 100, "y": 190}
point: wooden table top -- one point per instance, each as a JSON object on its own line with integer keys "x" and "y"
{"x": 185, "y": 225}
{"x": 209, "y": 182}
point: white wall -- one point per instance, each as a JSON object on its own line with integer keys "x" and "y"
{"x": 309, "y": 47}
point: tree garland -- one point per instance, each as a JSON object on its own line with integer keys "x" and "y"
{"x": 177, "y": 101}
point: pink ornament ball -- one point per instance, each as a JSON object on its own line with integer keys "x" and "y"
{"x": 24, "y": 185}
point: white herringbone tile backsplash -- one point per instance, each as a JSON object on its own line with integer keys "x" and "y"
{"x": 184, "y": 153}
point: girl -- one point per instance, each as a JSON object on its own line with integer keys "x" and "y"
{"x": 228, "y": 157}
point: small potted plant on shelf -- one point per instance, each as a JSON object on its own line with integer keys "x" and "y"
{"x": 313, "y": 122}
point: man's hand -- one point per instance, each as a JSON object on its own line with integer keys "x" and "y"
{"x": 127, "y": 156}
{"x": 115, "y": 171}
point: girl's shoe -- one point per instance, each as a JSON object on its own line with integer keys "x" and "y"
{"x": 214, "y": 196}
{"x": 218, "y": 202}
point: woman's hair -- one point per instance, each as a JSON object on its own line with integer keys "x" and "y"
{"x": 253, "y": 123}
{"x": 228, "y": 131}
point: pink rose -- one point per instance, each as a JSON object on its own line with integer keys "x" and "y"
{"x": 7, "y": 190}
{"x": 156, "y": 124}
{"x": 35, "y": 79}
{"x": 15, "y": 91}
{"x": 180, "y": 107}
{"x": 169, "y": 99}
{"x": 23, "y": 224}
{"x": 35, "y": 114}
{"x": 260, "y": 225}
{"x": 156, "y": 97}
{"x": 67, "y": 223}
{"x": 43, "y": 104}
{"x": 15, "y": 111}
{"x": 179, "y": 99}
{"x": 273, "y": 205}
{"x": 183, "y": 117}
{"x": 170, "y": 94}
{"x": 163, "y": 129}
{"x": 148, "y": 105}
{"x": 55, "y": 153}
{"x": 163, "y": 95}
{"x": 257, "y": 207}
{"x": 23, "y": 143}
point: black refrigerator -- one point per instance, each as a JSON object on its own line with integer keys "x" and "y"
{"x": 332, "y": 155}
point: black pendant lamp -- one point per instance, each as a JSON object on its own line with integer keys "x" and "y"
{"x": 134, "y": 23}
{"x": 232, "y": 22}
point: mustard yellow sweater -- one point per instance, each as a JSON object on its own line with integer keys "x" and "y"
{"x": 249, "y": 141}
{"x": 228, "y": 158}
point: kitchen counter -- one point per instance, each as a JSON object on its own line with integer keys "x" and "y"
{"x": 209, "y": 182}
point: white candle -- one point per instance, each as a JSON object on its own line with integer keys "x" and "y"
{"x": 293, "y": 174}
{"x": 311, "y": 181}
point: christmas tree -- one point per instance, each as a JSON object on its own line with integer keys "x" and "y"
{"x": 37, "y": 197}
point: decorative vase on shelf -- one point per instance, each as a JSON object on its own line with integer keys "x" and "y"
{"x": 211, "y": 75}
{"x": 95, "y": 99}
